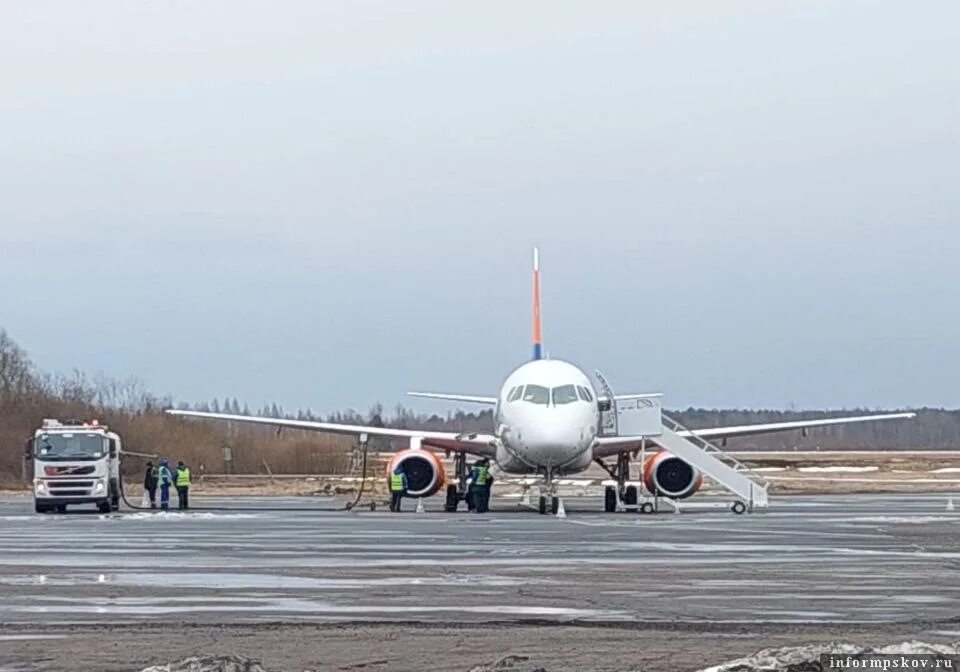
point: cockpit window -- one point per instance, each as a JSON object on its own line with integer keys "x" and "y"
{"x": 515, "y": 393}
{"x": 565, "y": 394}
{"x": 585, "y": 394}
{"x": 536, "y": 394}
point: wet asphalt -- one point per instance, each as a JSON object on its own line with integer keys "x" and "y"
{"x": 849, "y": 559}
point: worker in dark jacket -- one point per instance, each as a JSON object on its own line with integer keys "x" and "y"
{"x": 150, "y": 484}
{"x": 472, "y": 488}
{"x": 398, "y": 488}
{"x": 164, "y": 480}
{"x": 181, "y": 479}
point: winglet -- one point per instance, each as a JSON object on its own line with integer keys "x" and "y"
{"x": 537, "y": 335}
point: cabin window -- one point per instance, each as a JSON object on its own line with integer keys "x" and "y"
{"x": 536, "y": 394}
{"x": 515, "y": 393}
{"x": 585, "y": 394}
{"x": 565, "y": 394}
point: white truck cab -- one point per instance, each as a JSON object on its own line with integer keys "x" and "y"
{"x": 74, "y": 462}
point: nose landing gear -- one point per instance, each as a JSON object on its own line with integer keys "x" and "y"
{"x": 549, "y": 490}
{"x": 554, "y": 504}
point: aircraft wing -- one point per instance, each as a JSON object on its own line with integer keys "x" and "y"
{"x": 611, "y": 445}
{"x": 476, "y": 444}
{"x": 468, "y": 398}
{"x": 491, "y": 401}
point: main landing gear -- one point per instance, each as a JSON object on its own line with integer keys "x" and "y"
{"x": 457, "y": 491}
{"x": 622, "y": 494}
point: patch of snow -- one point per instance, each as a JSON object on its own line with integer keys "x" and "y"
{"x": 841, "y": 469}
{"x": 210, "y": 664}
{"x": 167, "y": 515}
{"x": 916, "y": 520}
{"x": 807, "y": 657}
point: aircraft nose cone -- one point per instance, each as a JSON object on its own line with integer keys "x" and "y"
{"x": 550, "y": 444}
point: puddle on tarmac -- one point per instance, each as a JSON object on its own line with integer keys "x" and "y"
{"x": 139, "y": 606}
{"x": 227, "y": 580}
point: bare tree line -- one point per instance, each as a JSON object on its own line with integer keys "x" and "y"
{"x": 28, "y": 395}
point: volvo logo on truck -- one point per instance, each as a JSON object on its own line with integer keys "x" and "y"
{"x": 74, "y": 462}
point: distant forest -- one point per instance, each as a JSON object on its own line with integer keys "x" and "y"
{"x": 28, "y": 395}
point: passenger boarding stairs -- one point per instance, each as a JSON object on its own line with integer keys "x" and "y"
{"x": 712, "y": 462}
{"x": 642, "y": 415}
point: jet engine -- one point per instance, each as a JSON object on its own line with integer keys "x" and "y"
{"x": 424, "y": 470}
{"x": 669, "y": 476}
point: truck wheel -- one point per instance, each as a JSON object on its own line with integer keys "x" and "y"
{"x": 61, "y": 508}
{"x": 40, "y": 508}
{"x": 104, "y": 507}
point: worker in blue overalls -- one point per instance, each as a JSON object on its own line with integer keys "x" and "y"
{"x": 164, "y": 480}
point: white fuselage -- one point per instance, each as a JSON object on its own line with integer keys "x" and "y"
{"x": 546, "y": 419}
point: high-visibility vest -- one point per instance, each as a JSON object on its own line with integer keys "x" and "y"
{"x": 163, "y": 475}
{"x": 396, "y": 482}
{"x": 183, "y": 477}
{"x": 483, "y": 475}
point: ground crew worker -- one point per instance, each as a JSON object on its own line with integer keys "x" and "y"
{"x": 165, "y": 480}
{"x": 483, "y": 482}
{"x": 398, "y": 488}
{"x": 150, "y": 484}
{"x": 472, "y": 488}
{"x": 182, "y": 480}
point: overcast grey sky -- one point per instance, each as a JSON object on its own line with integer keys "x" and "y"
{"x": 328, "y": 203}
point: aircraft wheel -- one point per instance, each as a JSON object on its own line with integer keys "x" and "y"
{"x": 543, "y": 505}
{"x": 609, "y": 499}
{"x": 554, "y": 505}
{"x": 738, "y": 508}
{"x": 630, "y": 496}
{"x": 452, "y": 499}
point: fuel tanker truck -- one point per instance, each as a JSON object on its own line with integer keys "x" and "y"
{"x": 74, "y": 462}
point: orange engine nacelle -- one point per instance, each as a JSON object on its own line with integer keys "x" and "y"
{"x": 669, "y": 476}
{"x": 424, "y": 470}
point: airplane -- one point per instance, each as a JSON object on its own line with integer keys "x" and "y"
{"x": 547, "y": 419}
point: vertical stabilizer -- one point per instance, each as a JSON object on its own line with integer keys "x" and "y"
{"x": 537, "y": 335}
